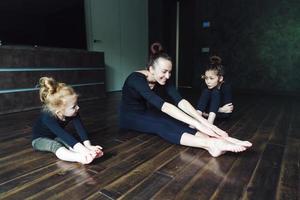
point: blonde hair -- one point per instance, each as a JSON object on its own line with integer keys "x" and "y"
{"x": 52, "y": 93}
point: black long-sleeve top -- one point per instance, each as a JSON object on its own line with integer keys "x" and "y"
{"x": 51, "y": 127}
{"x": 136, "y": 94}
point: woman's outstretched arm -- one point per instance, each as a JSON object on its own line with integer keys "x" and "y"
{"x": 178, "y": 114}
{"x": 190, "y": 110}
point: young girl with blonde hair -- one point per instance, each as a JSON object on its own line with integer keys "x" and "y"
{"x": 60, "y": 108}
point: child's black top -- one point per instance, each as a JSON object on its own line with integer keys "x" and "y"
{"x": 226, "y": 93}
{"x": 211, "y": 99}
{"x": 136, "y": 94}
{"x": 51, "y": 127}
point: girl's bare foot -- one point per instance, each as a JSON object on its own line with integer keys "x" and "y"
{"x": 85, "y": 159}
{"x": 238, "y": 142}
{"x": 220, "y": 146}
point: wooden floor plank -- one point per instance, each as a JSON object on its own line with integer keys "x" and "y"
{"x": 132, "y": 179}
{"x": 265, "y": 177}
{"x": 148, "y": 188}
{"x": 210, "y": 171}
{"x": 142, "y": 166}
{"x": 289, "y": 182}
{"x": 32, "y": 183}
{"x": 85, "y": 189}
{"x": 241, "y": 171}
{"x": 85, "y": 173}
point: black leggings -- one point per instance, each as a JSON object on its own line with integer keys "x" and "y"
{"x": 210, "y": 101}
{"x": 155, "y": 123}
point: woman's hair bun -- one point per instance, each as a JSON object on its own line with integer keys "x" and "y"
{"x": 156, "y": 48}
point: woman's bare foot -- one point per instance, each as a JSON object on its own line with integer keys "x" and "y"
{"x": 220, "y": 146}
{"x": 238, "y": 142}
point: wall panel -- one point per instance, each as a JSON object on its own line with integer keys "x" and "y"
{"x": 21, "y": 68}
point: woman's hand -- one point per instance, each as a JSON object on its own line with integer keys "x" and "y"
{"x": 207, "y": 130}
{"x": 212, "y": 131}
{"x": 219, "y": 131}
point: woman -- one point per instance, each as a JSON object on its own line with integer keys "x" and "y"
{"x": 172, "y": 123}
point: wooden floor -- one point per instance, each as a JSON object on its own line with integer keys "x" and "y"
{"x": 139, "y": 166}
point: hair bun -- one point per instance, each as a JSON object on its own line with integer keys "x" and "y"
{"x": 156, "y": 48}
{"x": 47, "y": 87}
{"x": 215, "y": 60}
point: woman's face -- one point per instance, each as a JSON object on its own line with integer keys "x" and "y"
{"x": 161, "y": 70}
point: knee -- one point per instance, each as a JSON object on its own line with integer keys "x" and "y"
{"x": 215, "y": 92}
{"x": 223, "y": 115}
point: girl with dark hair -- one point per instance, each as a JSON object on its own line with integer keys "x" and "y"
{"x": 173, "y": 120}
{"x": 216, "y": 97}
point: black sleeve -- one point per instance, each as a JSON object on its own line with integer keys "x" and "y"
{"x": 80, "y": 128}
{"x": 53, "y": 125}
{"x": 139, "y": 83}
{"x": 173, "y": 93}
{"x": 227, "y": 94}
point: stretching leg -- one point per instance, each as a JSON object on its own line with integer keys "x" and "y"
{"x": 71, "y": 156}
{"x": 214, "y": 146}
{"x": 229, "y": 139}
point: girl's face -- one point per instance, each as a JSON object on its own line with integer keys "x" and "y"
{"x": 212, "y": 79}
{"x": 70, "y": 107}
{"x": 161, "y": 71}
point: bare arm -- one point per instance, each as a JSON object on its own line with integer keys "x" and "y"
{"x": 178, "y": 114}
{"x": 190, "y": 110}
{"x": 211, "y": 117}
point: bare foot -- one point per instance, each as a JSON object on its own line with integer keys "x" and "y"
{"x": 238, "y": 142}
{"x": 85, "y": 159}
{"x": 220, "y": 146}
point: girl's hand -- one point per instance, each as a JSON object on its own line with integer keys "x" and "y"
{"x": 96, "y": 149}
{"x": 227, "y": 108}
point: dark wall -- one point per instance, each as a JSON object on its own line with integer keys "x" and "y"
{"x": 258, "y": 41}
{"x": 21, "y": 68}
{"x": 162, "y": 25}
{"x": 51, "y": 23}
